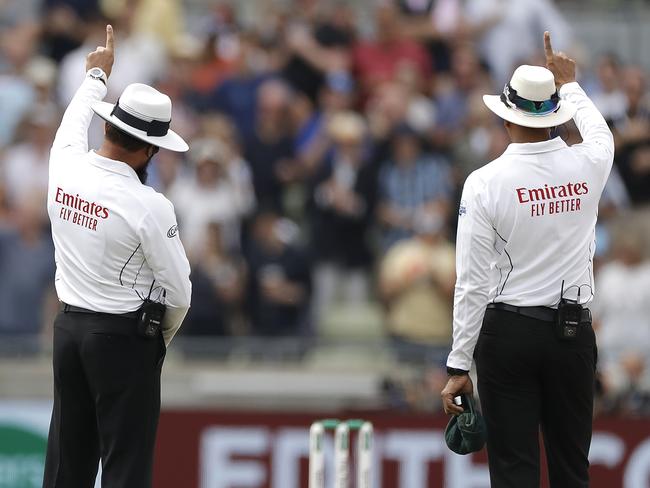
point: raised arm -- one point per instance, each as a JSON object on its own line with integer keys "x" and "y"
{"x": 598, "y": 141}
{"x": 72, "y": 134}
{"x": 162, "y": 248}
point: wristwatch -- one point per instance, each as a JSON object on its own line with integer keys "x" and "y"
{"x": 456, "y": 372}
{"x": 98, "y": 74}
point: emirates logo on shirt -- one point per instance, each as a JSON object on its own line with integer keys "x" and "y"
{"x": 79, "y": 211}
{"x": 549, "y": 200}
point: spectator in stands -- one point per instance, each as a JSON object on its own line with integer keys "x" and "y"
{"x": 316, "y": 51}
{"x": 24, "y": 166}
{"x": 453, "y": 95}
{"x": 65, "y": 25}
{"x": 622, "y": 310}
{"x": 17, "y": 94}
{"x": 237, "y": 95}
{"x": 41, "y": 72}
{"x": 221, "y": 50}
{"x": 16, "y": 12}
{"x": 27, "y": 265}
{"x": 218, "y": 284}
{"x": 420, "y": 108}
{"x": 218, "y": 190}
{"x": 416, "y": 284}
{"x": 82, "y": 9}
{"x": 337, "y": 93}
{"x": 609, "y": 97}
{"x": 437, "y": 24}
{"x": 311, "y": 121}
{"x": 270, "y": 149}
{"x": 376, "y": 60}
{"x": 632, "y": 136}
{"x": 633, "y": 125}
{"x": 184, "y": 54}
{"x": 343, "y": 198}
{"x": 412, "y": 184}
{"x": 163, "y": 20}
{"x": 279, "y": 287}
{"x": 507, "y": 31}
{"x": 163, "y": 172}
{"x": 480, "y": 142}
{"x": 386, "y": 111}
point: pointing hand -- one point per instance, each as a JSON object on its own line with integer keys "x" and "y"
{"x": 562, "y": 66}
{"x": 103, "y": 56}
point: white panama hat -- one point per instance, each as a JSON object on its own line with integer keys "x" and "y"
{"x": 531, "y": 100}
{"x": 144, "y": 113}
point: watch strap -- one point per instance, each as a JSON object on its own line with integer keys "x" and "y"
{"x": 97, "y": 74}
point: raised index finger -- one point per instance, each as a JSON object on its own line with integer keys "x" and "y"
{"x": 548, "y": 50}
{"x": 109, "y": 37}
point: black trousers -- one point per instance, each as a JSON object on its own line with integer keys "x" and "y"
{"x": 527, "y": 380}
{"x": 106, "y": 402}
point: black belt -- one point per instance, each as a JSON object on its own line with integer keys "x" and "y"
{"x": 72, "y": 309}
{"x": 545, "y": 314}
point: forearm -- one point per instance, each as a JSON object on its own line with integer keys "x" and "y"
{"x": 73, "y": 131}
{"x": 590, "y": 122}
{"x": 469, "y": 309}
{"x": 172, "y": 322}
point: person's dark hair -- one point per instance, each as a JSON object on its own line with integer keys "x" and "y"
{"x": 124, "y": 140}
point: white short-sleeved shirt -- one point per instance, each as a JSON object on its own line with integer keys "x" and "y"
{"x": 527, "y": 224}
{"x": 114, "y": 237}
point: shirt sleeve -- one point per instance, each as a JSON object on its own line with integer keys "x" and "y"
{"x": 474, "y": 255}
{"x": 164, "y": 252}
{"x": 598, "y": 141}
{"x": 72, "y": 134}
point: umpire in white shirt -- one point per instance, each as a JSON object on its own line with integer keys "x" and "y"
{"x": 118, "y": 256}
{"x": 524, "y": 276}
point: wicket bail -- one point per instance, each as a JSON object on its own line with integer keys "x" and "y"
{"x": 341, "y": 452}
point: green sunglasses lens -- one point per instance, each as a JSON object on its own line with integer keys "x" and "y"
{"x": 536, "y": 108}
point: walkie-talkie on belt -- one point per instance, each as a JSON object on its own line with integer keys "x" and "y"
{"x": 569, "y": 313}
{"x": 151, "y": 317}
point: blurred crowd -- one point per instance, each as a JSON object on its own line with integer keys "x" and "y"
{"x": 327, "y": 159}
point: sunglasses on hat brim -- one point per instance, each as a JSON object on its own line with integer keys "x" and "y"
{"x": 530, "y": 107}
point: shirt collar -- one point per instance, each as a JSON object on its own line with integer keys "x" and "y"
{"x": 112, "y": 165}
{"x": 536, "y": 147}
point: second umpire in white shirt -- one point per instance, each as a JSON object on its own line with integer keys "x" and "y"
{"x": 524, "y": 263}
{"x": 119, "y": 258}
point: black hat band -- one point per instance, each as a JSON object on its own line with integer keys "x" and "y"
{"x": 155, "y": 128}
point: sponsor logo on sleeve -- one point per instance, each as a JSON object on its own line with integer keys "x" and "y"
{"x": 173, "y": 231}
{"x": 462, "y": 210}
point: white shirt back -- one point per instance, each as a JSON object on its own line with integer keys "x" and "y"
{"x": 114, "y": 237}
{"x": 527, "y": 224}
